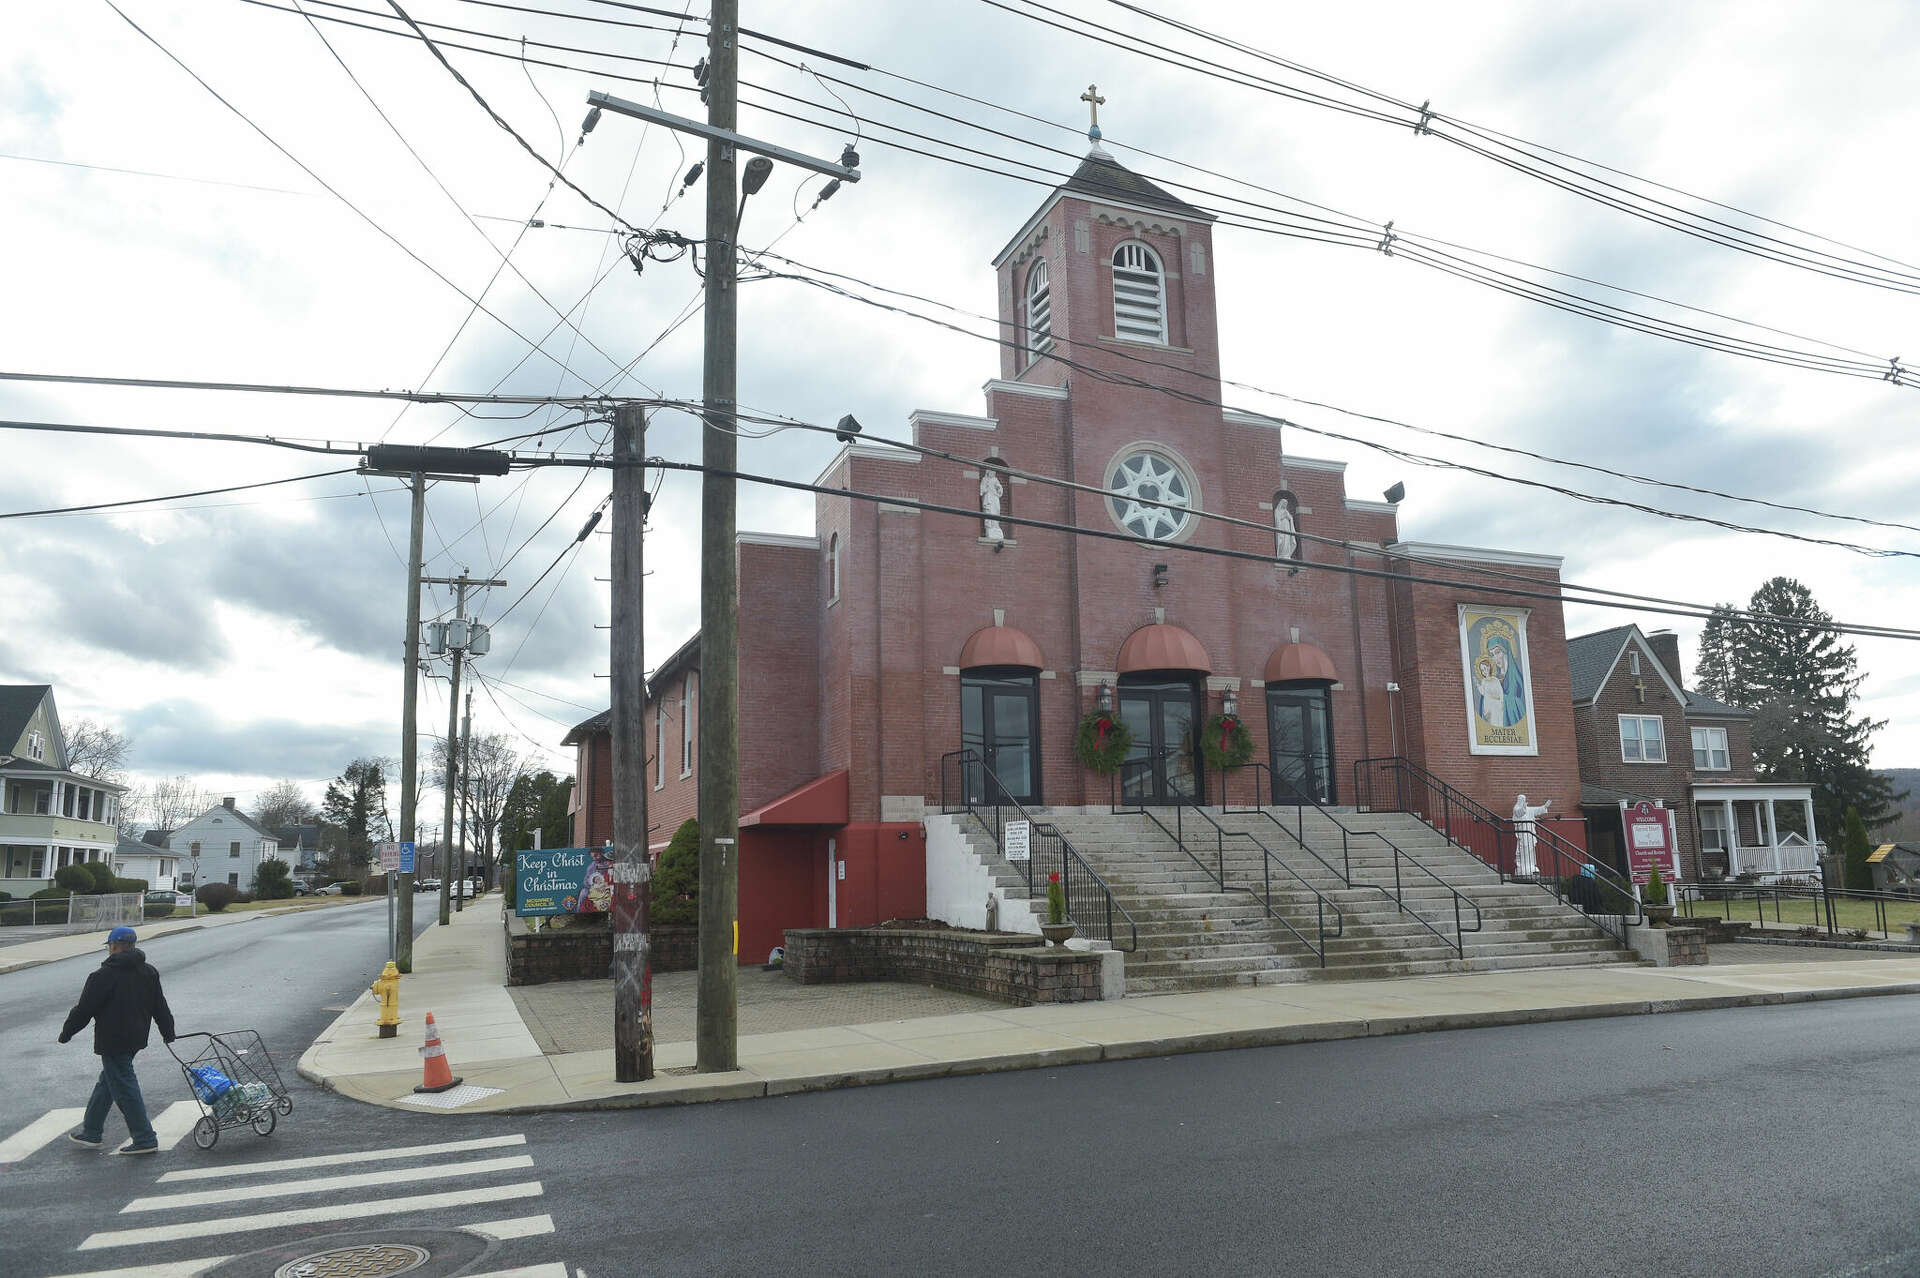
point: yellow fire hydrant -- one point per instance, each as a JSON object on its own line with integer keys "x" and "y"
{"x": 387, "y": 990}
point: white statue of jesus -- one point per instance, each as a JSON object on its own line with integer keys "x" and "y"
{"x": 1286, "y": 539}
{"x": 991, "y": 492}
{"x": 1524, "y": 815}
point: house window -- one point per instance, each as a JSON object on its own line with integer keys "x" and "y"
{"x": 39, "y": 870}
{"x": 1713, "y": 829}
{"x": 1710, "y": 750}
{"x": 1642, "y": 739}
{"x": 42, "y": 802}
{"x": 233, "y": 880}
{"x": 686, "y": 726}
{"x": 833, "y": 568}
{"x": 1139, "y": 294}
{"x": 37, "y": 745}
{"x": 233, "y": 849}
{"x": 195, "y": 849}
{"x": 66, "y": 800}
{"x": 1633, "y": 662}
{"x": 659, "y": 747}
{"x": 1039, "y": 312}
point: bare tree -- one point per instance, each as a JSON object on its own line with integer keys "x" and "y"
{"x": 283, "y": 803}
{"x": 170, "y": 804}
{"x": 492, "y": 768}
{"x": 94, "y": 749}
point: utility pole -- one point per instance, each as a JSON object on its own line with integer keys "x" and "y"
{"x": 719, "y": 811}
{"x": 717, "y": 1013}
{"x": 458, "y": 637}
{"x": 632, "y": 868}
{"x": 466, "y": 785}
{"x": 409, "y": 727}
{"x": 414, "y": 464}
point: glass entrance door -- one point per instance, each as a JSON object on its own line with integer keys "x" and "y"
{"x": 998, "y": 717}
{"x": 1300, "y": 732}
{"x": 1163, "y": 764}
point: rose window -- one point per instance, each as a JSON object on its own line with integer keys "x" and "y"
{"x": 1141, "y": 482}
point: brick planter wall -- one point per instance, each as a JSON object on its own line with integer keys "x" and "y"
{"x": 1686, "y": 946}
{"x": 584, "y": 953}
{"x": 997, "y": 965}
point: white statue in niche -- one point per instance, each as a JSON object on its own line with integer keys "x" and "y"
{"x": 1525, "y": 865}
{"x": 992, "y": 493}
{"x": 1286, "y": 539}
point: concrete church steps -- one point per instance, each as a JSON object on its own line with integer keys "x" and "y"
{"x": 1193, "y": 936}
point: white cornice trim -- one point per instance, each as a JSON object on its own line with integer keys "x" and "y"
{"x": 1474, "y": 554}
{"x": 1096, "y": 204}
{"x": 841, "y": 455}
{"x": 1372, "y": 507}
{"x": 872, "y": 452}
{"x": 776, "y": 539}
{"x": 1004, "y": 387}
{"x": 1316, "y": 463}
{"x": 930, "y": 417}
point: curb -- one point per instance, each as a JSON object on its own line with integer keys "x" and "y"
{"x": 753, "y": 1088}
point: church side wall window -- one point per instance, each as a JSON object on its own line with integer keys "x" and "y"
{"x": 686, "y": 726}
{"x": 1039, "y": 312}
{"x": 1139, "y": 294}
{"x": 833, "y": 568}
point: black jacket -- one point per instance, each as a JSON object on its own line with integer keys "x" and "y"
{"x": 121, "y": 997}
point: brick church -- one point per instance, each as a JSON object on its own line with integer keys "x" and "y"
{"x": 890, "y": 638}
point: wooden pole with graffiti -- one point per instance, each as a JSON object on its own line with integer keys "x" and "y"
{"x": 632, "y": 870}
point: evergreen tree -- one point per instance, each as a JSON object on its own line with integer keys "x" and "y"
{"x": 353, "y": 817}
{"x": 676, "y": 882}
{"x": 536, "y": 801}
{"x": 1854, "y": 845}
{"x": 1803, "y": 685}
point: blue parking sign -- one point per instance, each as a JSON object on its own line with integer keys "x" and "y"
{"x": 406, "y": 858}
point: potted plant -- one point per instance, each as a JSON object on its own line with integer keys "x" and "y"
{"x": 1656, "y": 903}
{"x": 1058, "y": 928}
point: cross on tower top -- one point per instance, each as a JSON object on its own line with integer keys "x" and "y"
{"x": 1094, "y": 102}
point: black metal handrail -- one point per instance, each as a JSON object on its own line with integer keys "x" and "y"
{"x": 1087, "y": 893}
{"x": 1688, "y": 896}
{"x": 1392, "y": 783}
{"x": 1183, "y": 812}
{"x": 1397, "y": 893}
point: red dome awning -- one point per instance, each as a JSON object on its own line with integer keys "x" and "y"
{"x": 1001, "y": 646}
{"x": 1292, "y": 662}
{"x": 1162, "y": 647}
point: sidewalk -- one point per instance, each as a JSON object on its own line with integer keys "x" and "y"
{"x": 16, "y": 958}
{"x": 459, "y": 975}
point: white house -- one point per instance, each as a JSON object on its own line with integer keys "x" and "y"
{"x": 226, "y": 844}
{"x": 157, "y": 865}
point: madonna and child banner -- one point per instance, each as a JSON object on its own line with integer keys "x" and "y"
{"x": 1499, "y": 680}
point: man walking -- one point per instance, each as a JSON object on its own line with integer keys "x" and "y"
{"x": 122, "y": 997}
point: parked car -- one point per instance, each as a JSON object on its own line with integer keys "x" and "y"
{"x": 426, "y": 885}
{"x": 333, "y": 889}
{"x": 179, "y": 900}
{"x": 307, "y": 889}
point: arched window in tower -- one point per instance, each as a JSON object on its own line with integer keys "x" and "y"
{"x": 1139, "y": 294}
{"x": 833, "y": 567}
{"x": 1039, "y": 312}
{"x": 1286, "y": 525}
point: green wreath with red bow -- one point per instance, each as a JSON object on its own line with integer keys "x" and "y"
{"x": 1102, "y": 741}
{"x": 1225, "y": 742}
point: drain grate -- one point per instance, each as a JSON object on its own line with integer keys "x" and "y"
{"x": 366, "y": 1260}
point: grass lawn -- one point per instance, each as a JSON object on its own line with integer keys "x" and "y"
{"x": 1808, "y": 912}
{"x": 290, "y": 904}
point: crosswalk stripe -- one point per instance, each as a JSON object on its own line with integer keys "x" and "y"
{"x": 507, "y": 1230}
{"x": 310, "y": 1215}
{"x": 340, "y": 1160}
{"x": 52, "y": 1124}
{"x": 170, "y": 1269}
{"x": 552, "y": 1270}
{"x": 174, "y": 1122}
{"x": 321, "y": 1184}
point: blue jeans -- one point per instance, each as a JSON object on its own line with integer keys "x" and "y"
{"x": 118, "y": 1085}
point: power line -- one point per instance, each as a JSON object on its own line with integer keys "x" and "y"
{"x": 1490, "y": 143}
{"x": 267, "y": 388}
{"x": 203, "y": 492}
{"x": 1413, "y": 458}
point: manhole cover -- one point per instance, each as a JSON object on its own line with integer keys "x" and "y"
{"x": 367, "y": 1260}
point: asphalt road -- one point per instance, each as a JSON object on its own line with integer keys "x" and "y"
{"x": 1767, "y": 1140}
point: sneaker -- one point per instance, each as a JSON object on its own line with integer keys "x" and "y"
{"x": 131, "y": 1148}
{"x": 93, "y": 1142}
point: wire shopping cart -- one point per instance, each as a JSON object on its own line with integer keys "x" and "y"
{"x": 234, "y": 1081}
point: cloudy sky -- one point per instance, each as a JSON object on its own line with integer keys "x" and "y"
{"x": 253, "y": 636}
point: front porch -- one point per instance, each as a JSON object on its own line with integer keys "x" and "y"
{"x": 1756, "y": 832}
{"x": 26, "y": 868}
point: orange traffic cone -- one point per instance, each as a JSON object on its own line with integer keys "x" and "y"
{"x": 439, "y": 1074}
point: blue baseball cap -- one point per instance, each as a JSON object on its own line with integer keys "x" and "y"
{"x": 120, "y": 934}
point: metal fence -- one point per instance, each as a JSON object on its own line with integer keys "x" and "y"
{"x": 98, "y": 913}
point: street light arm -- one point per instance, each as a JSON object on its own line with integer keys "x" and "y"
{"x": 846, "y": 173}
